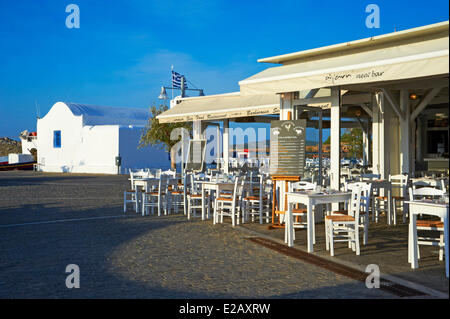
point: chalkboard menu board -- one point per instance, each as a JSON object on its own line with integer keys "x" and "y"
{"x": 196, "y": 155}
{"x": 287, "y": 147}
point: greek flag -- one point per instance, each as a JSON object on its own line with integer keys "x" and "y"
{"x": 176, "y": 80}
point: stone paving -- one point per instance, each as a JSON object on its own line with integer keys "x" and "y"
{"x": 48, "y": 221}
{"x": 387, "y": 247}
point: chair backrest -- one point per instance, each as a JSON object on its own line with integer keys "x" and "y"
{"x": 400, "y": 182}
{"x": 366, "y": 192}
{"x": 161, "y": 185}
{"x": 354, "y": 205}
{"x": 422, "y": 183}
{"x": 196, "y": 186}
{"x": 238, "y": 188}
{"x": 169, "y": 173}
{"x": 370, "y": 176}
{"x": 302, "y": 186}
{"x": 132, "y": 180}
{"x": 158, "y": 173}
{"x": 428, "y": 182}
{"x": 419, "y": 193}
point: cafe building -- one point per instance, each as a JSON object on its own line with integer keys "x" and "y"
{"x": 394, "y": 86}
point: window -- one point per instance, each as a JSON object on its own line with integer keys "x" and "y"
{"x": 57, "y": 139}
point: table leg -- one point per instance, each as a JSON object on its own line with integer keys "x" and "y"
{"x": 288, "y": 223}
{"x": 233, "y": 215}
{"x": 310, "y": 223}
{"x": 203, "y": 202}
{"x": 314, "y": 225}
{"x": 260, "y": 205}
{"x": 390, "y": 210}
{"x": 373, "y": 206}
{"x": 446, "y": 243}
{"x": 410, "y": 241}
{"x": 414, "y": 261}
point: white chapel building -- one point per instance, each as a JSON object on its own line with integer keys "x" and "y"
{"x": 81, "y": 138}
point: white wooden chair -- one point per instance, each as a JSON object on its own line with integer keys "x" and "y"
{"x": 257, "y": 202}
{"x": 426, "y": 182}
{"x": 299, "y": 213}
{"x": 230, "y": 206}
{"x": 155, "y": 198}
{"x": 369, "y": 177}
{"x": 364, "y": 218}
{"x": 345, "y": 228}
{"x": 175, "y": 195}
{"x": 131, "y": 195}
{"x": 194, "y": 198}
{"x": 429, "y": 224}
{"x": 400, "y": 182}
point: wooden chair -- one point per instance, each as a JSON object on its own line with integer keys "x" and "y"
{"x": 194, "y": 198}
{"x": 399, "y": 182}
{"x": 257, "y": 201}
{"x": 429, "y": 224}
{"x": 230, "y": 206}
{"x": 364, "y": 218}
{"x": 155, "y": 197}
{"x": 345, "y": 228}
{"x": 175, "y": 195}
{"x": 131, "y": 195}
{"x": 299, "y": 213}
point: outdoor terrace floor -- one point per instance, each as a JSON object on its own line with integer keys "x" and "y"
{"x": 48, "y": 221}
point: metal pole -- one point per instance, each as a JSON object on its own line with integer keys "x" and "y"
{"x": 320, "y": 149}
{"x": 171, "y": 74}
{"x": 182, "y": 86}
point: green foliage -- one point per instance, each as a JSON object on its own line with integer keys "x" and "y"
{"x": 354, "y": 138}
{"x": 158, "y": 134}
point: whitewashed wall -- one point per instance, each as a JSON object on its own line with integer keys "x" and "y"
{"x": 92, "y": 149}
{"x": 59, "y": 159}
{"x": 98, "y": 150}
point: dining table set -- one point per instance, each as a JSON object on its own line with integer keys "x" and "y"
{"x": 213, "y": 189}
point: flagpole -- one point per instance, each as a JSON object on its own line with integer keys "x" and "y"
{"x": 171, "y": 74}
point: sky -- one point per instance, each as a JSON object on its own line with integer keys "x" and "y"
{"x": 123, "y": 50}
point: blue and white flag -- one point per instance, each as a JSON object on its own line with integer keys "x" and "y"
{"x": 176, "y": 80}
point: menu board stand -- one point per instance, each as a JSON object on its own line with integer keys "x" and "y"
{"x": 275, "y": 208}
{"x": 287, "y": 161}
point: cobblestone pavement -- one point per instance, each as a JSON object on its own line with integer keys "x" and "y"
{"x": 129, "y": 256}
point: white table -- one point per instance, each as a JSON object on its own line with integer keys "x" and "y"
{"x": 310, "y": 199}
{"x": 213, "y": 186}
{"x": 426, "y": 208}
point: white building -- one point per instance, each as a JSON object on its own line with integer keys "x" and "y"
{"x": 28, "y": 141}
{"x": 87, "y": 139}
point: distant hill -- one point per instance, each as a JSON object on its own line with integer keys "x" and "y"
{"x": 8, "y": 146}
{"x": 309, "y": 143}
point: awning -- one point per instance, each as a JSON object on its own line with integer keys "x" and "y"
{"x": 215, "y": 107}
{"x": 405, "y": 59}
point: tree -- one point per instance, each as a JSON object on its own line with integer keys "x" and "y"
{"x": 354, "y": 138}
{"x": 158, "y": 134}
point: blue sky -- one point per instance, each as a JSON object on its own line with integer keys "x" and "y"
{"x": 122, "y": 52}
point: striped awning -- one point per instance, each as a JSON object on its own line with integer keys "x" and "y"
{"x": 222, "y": 106}
{"x": 416, "y": 53}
